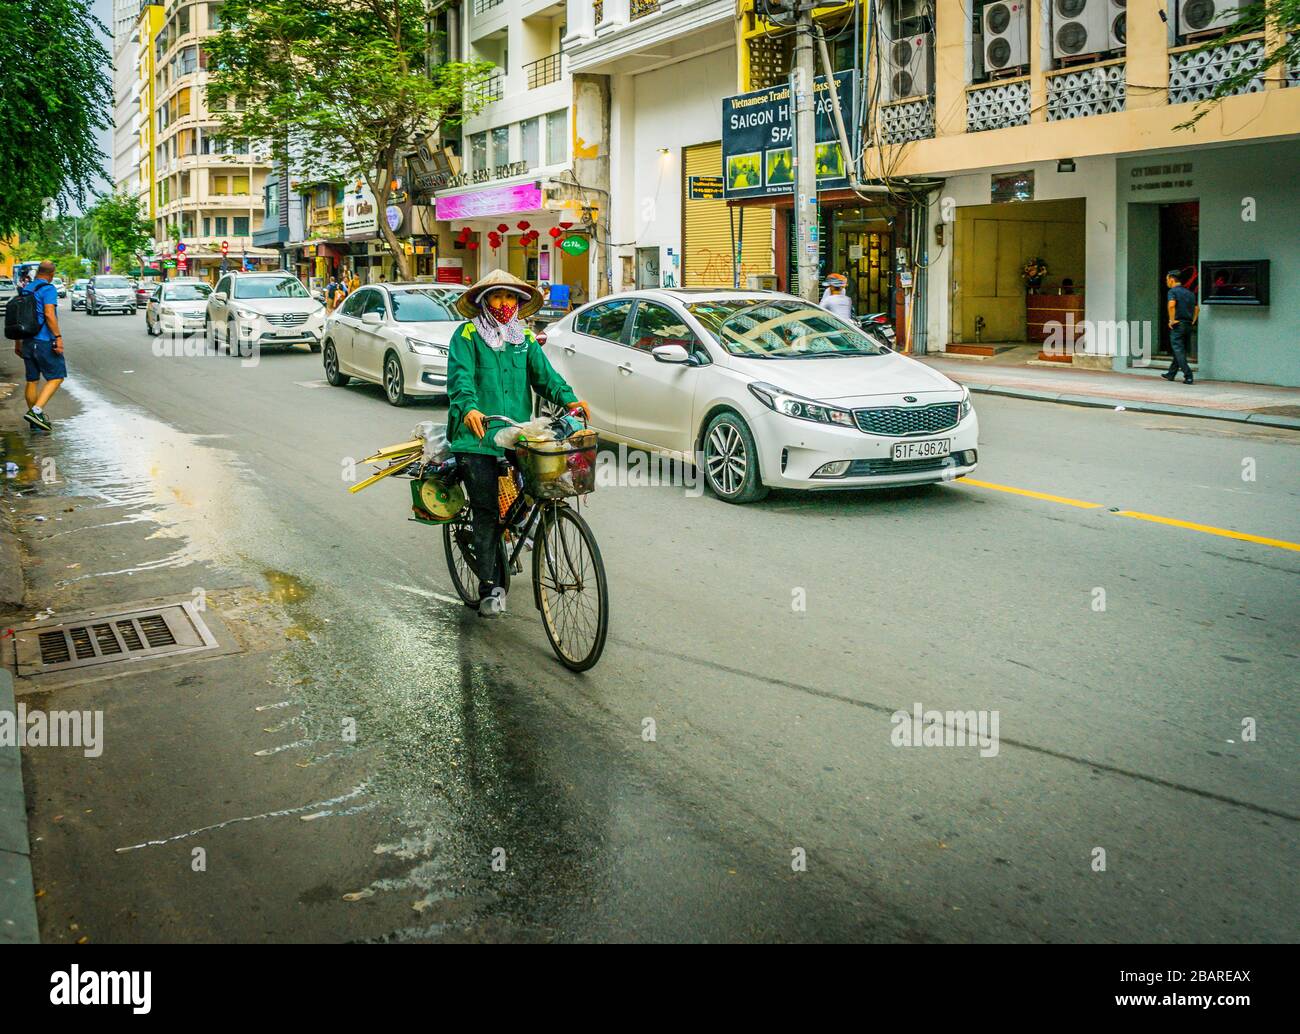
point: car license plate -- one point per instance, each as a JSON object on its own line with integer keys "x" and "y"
{"x": 922, "y": 450}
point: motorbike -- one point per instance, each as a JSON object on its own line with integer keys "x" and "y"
{"x": 878, "y": 327}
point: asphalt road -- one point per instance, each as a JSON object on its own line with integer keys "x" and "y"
{"x": 769, "y": 645}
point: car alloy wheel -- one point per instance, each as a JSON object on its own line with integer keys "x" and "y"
{"x": 331, "y": 360}
{"x": 393, "y": 380}
{"x": 731, "y": 460}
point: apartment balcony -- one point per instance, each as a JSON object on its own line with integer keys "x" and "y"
{"x": 901, "y": 122}
{"x": 491, "y": 18}
{"x": 638, "y": 35}
{"x": 489, "y": 91}
{"x": 1092, "y": 90}
{"x": 996, "y": 105}
{"x": 1194, "y": 73}
{"x": 544, "y": 71}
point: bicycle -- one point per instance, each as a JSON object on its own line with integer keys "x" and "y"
{"x": 569, "y": 585}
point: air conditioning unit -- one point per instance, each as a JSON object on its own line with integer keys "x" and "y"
{"x": 1080, "y": 27}
{"x": 905, "y": 17}
{"x": 1206, "y": 15}
{"x": 909, "y": 63}
{"x": 1006, "y": 35}
{"x": 1118, "y": 24}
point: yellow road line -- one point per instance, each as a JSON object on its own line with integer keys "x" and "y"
{"x": 1206, "y": 529}
{"x": 1032, "y": 495}
{"x": 1209, "y": 530}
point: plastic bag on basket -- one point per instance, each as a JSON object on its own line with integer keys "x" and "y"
{"x": 434, "y": 436}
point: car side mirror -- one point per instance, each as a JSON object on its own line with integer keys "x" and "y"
{"x": 221, "y": 296}
{"x": 670, "y": 354}
{"x": 372, "y": 319}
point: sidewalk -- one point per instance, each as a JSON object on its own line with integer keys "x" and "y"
{"x": 17, "y": 897}
{"x": 1260, "y": 404}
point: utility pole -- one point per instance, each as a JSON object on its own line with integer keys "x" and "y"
{"x": 802, "y": 78}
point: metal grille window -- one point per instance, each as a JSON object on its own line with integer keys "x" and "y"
{"x": 640, "y": 8}
{"x": 557, "y": 137}
{"x": 899, "y": 421}
{"x": 543, "y": 71}
{"x": 483, "y": 6}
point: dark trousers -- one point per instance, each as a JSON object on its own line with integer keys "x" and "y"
{"x": 1180, "y": 340}
{"x": 480, "y": 475}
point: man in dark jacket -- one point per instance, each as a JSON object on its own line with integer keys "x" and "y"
{"x": 1183, "y": 313}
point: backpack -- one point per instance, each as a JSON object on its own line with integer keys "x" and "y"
{"x": 22, "y": 316}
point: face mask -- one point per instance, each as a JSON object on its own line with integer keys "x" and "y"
{"x": 504, "y": 312}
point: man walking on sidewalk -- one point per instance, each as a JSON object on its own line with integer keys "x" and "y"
{"x": 43, "y": 354}
{"x": 1183, "y": 313}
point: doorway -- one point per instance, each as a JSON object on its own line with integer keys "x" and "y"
{"x": 1179, "y": 236}
{"x": 862, "y": 248}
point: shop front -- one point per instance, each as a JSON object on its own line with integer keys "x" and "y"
{"x": 519, "y": 228}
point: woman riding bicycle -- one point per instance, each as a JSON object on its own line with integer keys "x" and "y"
{"x": 493, "y": 361}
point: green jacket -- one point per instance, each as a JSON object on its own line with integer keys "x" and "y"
{"x": 496, "y": 383}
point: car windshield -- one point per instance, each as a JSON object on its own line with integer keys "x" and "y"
{"x": 780, "y": 329}
{"x": 264, "y": 287}
{"x": 186, "y": 292}
{"x": 111, "y": 283}
{"x": 425, "y": 306}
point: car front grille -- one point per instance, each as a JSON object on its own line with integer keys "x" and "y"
{"x": 886, "y": 467}
{"x": 898, "y": 421}
{"x": 286, "y": 319}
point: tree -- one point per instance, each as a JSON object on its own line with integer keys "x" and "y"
{"x": 120, "y": 224}
{"x": 1252, "y": 19}
{"x": 56, "y": 97}
{"x": 336, "y": 88}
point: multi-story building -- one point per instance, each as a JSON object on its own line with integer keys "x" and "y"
{"x": 149, "y": 23}
{"x": 668, "y": 65}
{"x": 126, "y": 86}
{"x": 528, "y": 162}
{"x": 207, "y": 188}
{"x": 1011, "y": 130}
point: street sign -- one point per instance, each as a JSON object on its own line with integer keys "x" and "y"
{"x": 180, "y": 246}
{"x": 169, "y": 263}
{"x": 575, "y": 244}
{"x": 704, "y": 188}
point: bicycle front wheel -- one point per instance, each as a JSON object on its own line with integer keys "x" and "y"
{"x": 569, "y": 578}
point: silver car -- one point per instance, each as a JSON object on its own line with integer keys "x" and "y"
{"x": 108, "y": 293}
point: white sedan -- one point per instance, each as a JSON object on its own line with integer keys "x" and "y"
{"x": 177, "y": 307}
{"x": 396, "y": 335}
{"x": 764, "y": 390}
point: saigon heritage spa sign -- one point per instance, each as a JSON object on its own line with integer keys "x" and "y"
{"x": 518, "y": 197}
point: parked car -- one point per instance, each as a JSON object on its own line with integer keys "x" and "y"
{"x": 109, "y": 293}
{"x": 771, "y": 390}
{"x": 262, "y": 309}
{"x": 8, "y": 289}
{"x": 60, "y": 286}
{"x": 78, "y": 293}
{"x": 177, "y": 307}
{"x": 396, "y": 335}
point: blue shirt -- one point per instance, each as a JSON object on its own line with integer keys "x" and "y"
{"x": 1184, "y": 302}
{"x": 46, "y": 294}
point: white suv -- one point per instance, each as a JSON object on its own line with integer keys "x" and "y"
{"x": 255, "y": 310}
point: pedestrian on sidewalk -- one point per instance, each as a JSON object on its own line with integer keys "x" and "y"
{"x": 43, "y": 354}
{"x": 1183, "y": 314}
{"x": 495, "y": 360}
{"x": 834, "y": 298}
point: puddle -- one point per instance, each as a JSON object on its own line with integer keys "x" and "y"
{"x": 15, "y": 450}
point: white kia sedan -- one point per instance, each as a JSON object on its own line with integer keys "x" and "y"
{"x": 395, "y": 335}
{"x": 177, "y": 307}
{"x": 769, "y": 390}
{"x": 248, "y": 310}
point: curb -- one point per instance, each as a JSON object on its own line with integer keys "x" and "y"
{"x": 1240, "y": 416}
{"x": 17, "y": 895}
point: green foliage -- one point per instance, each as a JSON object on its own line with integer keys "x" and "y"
{"x": 57, "y": 94}
{"x": 1283, "y": 55}
{"x": 120, "y": 224}
{"x": 337, "y": 89}
{"x": 63, "y": 240}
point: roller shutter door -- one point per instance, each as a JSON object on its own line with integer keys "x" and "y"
{"x": 706, "y": 229}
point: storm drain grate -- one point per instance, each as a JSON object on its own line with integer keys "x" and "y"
{"x": 175, "y": 628}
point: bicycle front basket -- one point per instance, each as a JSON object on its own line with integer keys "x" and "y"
{"x": 554, "y": 470}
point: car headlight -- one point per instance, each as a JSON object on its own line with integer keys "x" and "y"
{"x": 245, "y": 314}
{"x": 798, "y": 407}
{"x": 965, "y": 409}
{"x": 165, "y": 311}
{"x": 422, "y": 347}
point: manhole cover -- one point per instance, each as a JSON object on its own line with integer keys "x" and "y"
{"x": 104, "y": 638}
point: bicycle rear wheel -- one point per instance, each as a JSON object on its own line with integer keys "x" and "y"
{"x": 572, "y": 594}
{"x": 458, "y": 544}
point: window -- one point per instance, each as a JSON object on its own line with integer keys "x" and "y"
{"x": 219, "y": 225}
{"x": 184, "y": 292}
{"x": 530, "y": 142}
{"x": 375, "y": 303}
{"x": 270, "y": 287}
{"x": 780, "y": 329}
{"x": 352, "y": 307}
{"x": 501, "y": 145}
{"x": 271, "y": 196}
{"x": 207, "y": 227}
{"x": 241, "y": 225}
{"x": 214, "y": 16}
{"x": 604, "y": 321}
{"x": 557, "y": 137}
{"x": 478, "y": 152}
{"x": 425, "y": 306}
{"x": 657, "y": 325}
{"x": 223, "y": 286}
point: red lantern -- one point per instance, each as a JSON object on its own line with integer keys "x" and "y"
{"x": 566, "y": 226}
{"x": 555, "y": 233}
{"x": 472, "y": 245}
{"x": 502, "y": 228}
{"x": 524, "y": 225}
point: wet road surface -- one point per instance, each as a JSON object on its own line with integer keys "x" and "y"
{"x": 373, "y": 762}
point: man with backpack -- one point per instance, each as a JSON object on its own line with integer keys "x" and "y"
{"x": 31, "y": 320}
